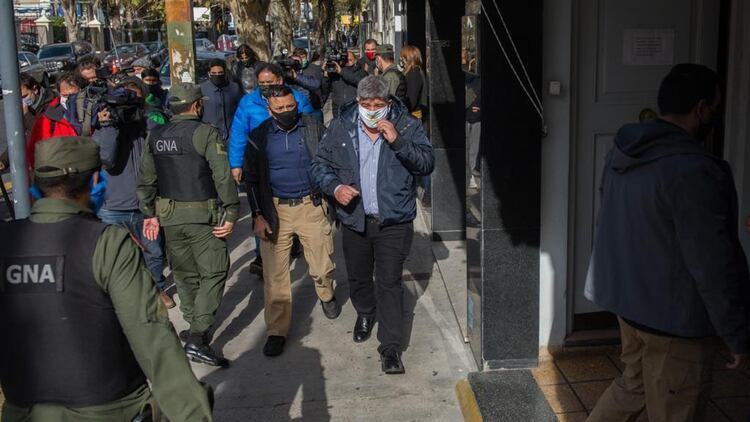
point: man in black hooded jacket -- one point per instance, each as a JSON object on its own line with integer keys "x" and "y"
{"x": 667, "y": 258}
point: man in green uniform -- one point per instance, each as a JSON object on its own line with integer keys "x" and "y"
{"x": 80, "y": 317}
{"x": 185, "y": 186}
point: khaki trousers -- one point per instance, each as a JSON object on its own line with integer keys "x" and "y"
{"x": 310, "y": 224}
{"x": 670, "y": 377}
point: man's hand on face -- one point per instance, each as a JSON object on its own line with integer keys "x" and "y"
{"x": 388, "y": 130}
{"x": 344, "y": 194}
{"x": 261, "y": 228}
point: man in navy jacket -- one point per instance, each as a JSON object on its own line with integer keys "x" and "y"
{"x": 369, "y": 160}
{"x": 667, "y": 258}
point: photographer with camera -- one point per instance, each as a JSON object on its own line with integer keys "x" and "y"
{"x": 308, "y": 78}
{"x": 121, "y": 131}
{"x": 342, "y": 75}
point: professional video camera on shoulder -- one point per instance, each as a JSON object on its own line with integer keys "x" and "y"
{"x": 289, "y": 65}
{"x": 106, "y": 93}
{"x": 335, "y": 56}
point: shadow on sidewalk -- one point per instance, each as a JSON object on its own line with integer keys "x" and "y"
{"x": 298, "y": 371}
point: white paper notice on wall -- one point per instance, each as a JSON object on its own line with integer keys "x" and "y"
{"x": 648, "y": 47}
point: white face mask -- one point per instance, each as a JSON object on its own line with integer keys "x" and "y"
{"x": 371, "y": 117}
{"x": 64, "y": 101}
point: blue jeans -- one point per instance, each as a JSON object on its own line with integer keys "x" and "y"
{"x": 152, "y": 250}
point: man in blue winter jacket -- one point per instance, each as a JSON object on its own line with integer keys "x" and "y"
{"x": 667, "y": 258}
{"x": 251, "y": 112}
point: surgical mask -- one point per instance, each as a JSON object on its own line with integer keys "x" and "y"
{"x": 64, "y": 101}
{"x": 370, "y": 55}
{"x": 28, "y": 101}
{"x": 218, "y": 80}
{"x": 371, "y": 117}
{"x": 286, "y": 120}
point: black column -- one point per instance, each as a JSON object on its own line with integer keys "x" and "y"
{"x": 510, "y": 191}
{"x": 446, "y": 88}
{"x": 415, "y": 24}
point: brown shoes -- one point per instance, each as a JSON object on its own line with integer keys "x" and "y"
{"x": 166, "y": 300}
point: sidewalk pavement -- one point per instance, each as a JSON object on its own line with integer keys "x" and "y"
{"x": 323, "y": 375}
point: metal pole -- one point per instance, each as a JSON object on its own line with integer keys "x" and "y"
{"x": 13, "y": 117}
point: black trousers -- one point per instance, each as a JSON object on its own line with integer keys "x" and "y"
{"x": 379, "y": 251}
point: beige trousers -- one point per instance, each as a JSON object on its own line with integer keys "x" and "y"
{"x": 670, "y": 377}
{"x": 310, "y": 224}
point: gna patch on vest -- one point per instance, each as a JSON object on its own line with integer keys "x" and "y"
{"x": 32, "y": 275}
{"x": 168, "y": 146}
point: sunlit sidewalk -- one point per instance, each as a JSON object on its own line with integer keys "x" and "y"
{"x": 323, "y": 375}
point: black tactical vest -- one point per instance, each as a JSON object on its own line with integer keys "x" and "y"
{"x": 401, "y": 89}
{"x": 182, "y": 174}
{"x": 61, "y": 340}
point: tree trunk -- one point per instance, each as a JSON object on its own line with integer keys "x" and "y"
{"x": 324, "y": 18}
{"x": 71, "y": 19}
{"x": 281, "y": 16}
{"x": 250, "y": 21}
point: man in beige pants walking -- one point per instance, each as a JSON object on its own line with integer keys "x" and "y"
{"x": 285, "y": 202}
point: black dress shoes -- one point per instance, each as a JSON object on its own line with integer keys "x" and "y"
{"x": 363, "y": 328}
{"x": 274, "y": 346}
{"x": 331, "y": 309}
{"x": 390, "y": 361}
{"x": 202, "y": 353}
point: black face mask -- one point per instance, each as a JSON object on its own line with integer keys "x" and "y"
{"x": 266, "y": 89}
{"x": 218, "y": 80}
{"x": 286, "y": 120}
{"x": 154, "y": 89}
{"x": 247, "y": 62}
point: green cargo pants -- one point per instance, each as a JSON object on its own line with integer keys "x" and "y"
{"x": 200, "y": 263}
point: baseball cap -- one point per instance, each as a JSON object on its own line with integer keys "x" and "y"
{"x": 65, "y": 155}
{"x": 384, "y": 49}
{"x": 185, "y": 93}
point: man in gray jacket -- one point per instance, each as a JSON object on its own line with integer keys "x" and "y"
{"x": 121, "y": 146}
{"x": 667, "y": 258}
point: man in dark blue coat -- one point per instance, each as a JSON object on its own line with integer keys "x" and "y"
{"x": 222, "y": 95}
{"x": 667, "y": 258}
{"x": 368, "y": 161}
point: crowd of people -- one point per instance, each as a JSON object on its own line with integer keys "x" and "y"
{"x": 128, "y": 178}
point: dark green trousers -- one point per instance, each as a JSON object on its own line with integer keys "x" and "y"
{"x": 200, "y": 264}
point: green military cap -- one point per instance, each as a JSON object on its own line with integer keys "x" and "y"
{"x": 185, "y": 93}
{"x": 384, "y": 49}
{"x": 65, "y": 155}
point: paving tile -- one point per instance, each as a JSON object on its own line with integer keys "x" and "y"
{"x": 730, "y": 383}
{"x": 547, "y": 374}
{"x": 738, "y": 409}
{"x": 572, "y": 417}
{"x": 561, "y": 398}
{"x": 589, "y": 392}
{"x": 587, "y": 368}
{"x": 615, "y": 359}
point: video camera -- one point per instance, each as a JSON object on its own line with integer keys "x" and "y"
{"x": 335, "y": 56}
{"x": 106, "y": 94}
{"x": 288, "y": 65}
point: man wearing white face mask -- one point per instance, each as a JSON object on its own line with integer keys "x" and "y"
{"x": 368, "y": 161}
{"x": 52, "y": 123}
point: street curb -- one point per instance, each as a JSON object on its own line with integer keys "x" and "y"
{"x": 467, "y": 401}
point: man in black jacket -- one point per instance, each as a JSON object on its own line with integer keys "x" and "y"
{"x": 222, "y": 95}
{"x": 667, "y": 258}
{"x": 342, "y": 84}
{"x": 285, "y": 202}
{"x": 369, "y": 160}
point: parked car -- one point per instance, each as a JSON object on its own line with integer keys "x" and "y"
{"x": 124, "y": 55}
{"x": 29, "y": 64}
{"x": 158, "y": 51}
{"x": 28, "y": 42}
{"x": 204, "y": 44}
{"x": 61, "y": 57}
{"x": 203, "y": 58}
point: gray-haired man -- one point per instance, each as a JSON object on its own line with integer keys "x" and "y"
{"x": 368, "y": 161}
